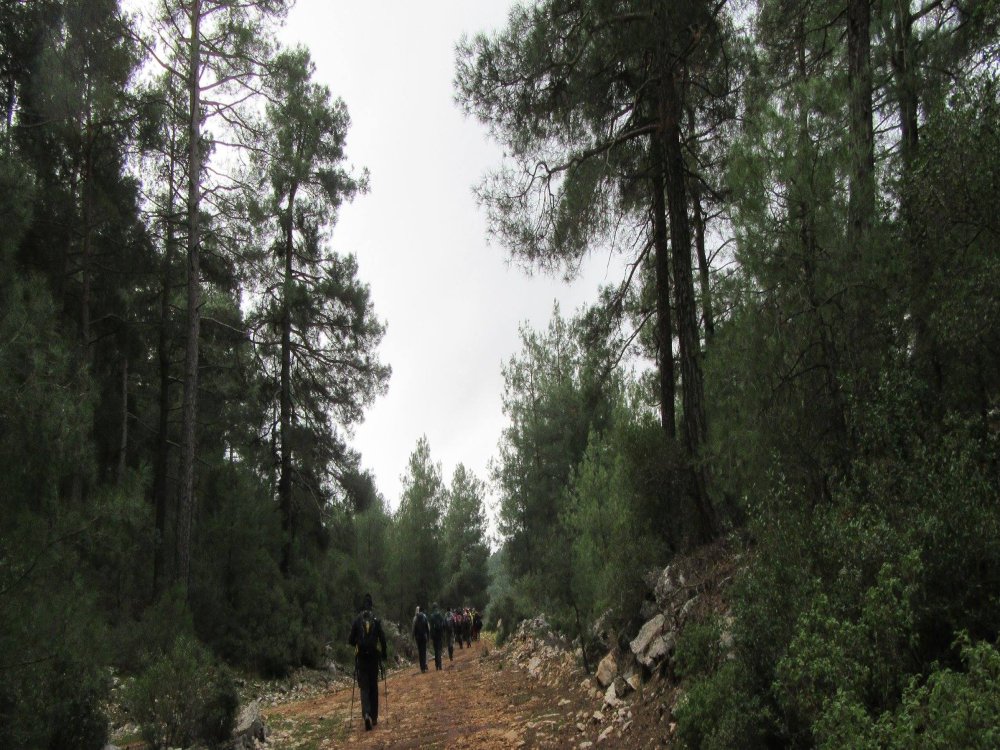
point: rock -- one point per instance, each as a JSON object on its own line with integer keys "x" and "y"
{"x": 598, "y": 717}
{"x": 666, "y": 585}
{"x": 564, "y": 702}
{"x": 534, "y": 666}
{"x": 633, "y": 680}
{"x": 688, "y": 606}
{"x": 611, "y": 698}
{"x": 585, "y": 745}
{"x": 607, "y": 669}
{"x": 249, "y": 728}
{"x": 661, "y": 647}
{"x": 622, "y": 687}
{"x": 646, "y": 635}
{"x": 581, "y": 727}
{"x": 603, "y": 736}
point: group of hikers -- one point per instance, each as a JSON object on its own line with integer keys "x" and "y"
{"x": 455, "y": 625}
{"x": 368, "y": 638}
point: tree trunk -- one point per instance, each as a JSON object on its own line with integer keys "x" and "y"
{"x": 161, "y": 461}
{"x": 189, "y": 413}
{"x": 87, "y": 250}
{"x": 285, "y": 478}
{"x": 664, "y": 324}
{"x": 707, "y": 314}
{"x": 79, "y": 488}
{"x": 925, "y": 350}
{"x": 695, "y": 427}
{"x": 830, "y": 359}
{"x": 123, "y": 442}
{"x": 861, "y": 205}
{"x": 904, "y": 68}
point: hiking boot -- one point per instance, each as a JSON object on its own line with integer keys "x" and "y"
{"x": 368, "y": 723}
{"x": 374, "y": 722}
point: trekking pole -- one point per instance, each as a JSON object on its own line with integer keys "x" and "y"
{"x": 385, "y": 687}
{"x": 354, "y": 682}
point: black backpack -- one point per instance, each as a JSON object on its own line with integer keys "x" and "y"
{"x": 437, "y": 624}
{"x": 421, "y": 625}
{"x": 368, "y": 640}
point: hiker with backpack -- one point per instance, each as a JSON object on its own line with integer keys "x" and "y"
{"x": 449, "y": 634}
{"x": 368, "y": 640}
{"x": 421, "y": 629}
{"x": 467, "y": 627}
{"x": 437, "y": 633}
{"x": 477, "y": 624}
{"x": 457, "y": 624}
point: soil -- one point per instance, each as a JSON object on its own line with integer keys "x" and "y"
{"x": 478, "y": 700}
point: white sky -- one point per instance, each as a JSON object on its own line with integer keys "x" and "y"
{"x": 452, "y": 304}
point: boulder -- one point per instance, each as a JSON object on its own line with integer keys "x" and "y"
{"x": 646, "y": 635}
{"x": 249, "y": 728}
{"x": 622, "y": 687}
{"x": 535, "y": 666}
{"x": 688, "y": 606}
{"x": 611, "y": 698}
{"x": 669, "y": 582}
{"x": 661, "y": 647}
{"x": 607, "y": 669}
{"x": 633, "y": 680}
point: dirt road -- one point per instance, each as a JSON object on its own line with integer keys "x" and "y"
{"x": 474, "y": 702}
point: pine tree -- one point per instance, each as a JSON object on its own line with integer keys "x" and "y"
{"x": 466, "y": 551}
{"x": 218, "y": 56}
{"x": 314, "y": 317}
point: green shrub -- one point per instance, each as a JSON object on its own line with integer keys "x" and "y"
{"x": 183, "y": 697}
{"x": 76, "y": 716}
{"x": 156, "y": 631}
{"x": 720, "y": 712}
{"x": 952, "y": 708}
{"x": 506, "y": 611}
{"x": 698, "y": 651}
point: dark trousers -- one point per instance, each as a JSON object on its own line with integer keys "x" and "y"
{"x": 368, "y": 686}
{"x": 422, "y": 650}
{"x": 437, "y": 652}
{"x": 451, "y": 646}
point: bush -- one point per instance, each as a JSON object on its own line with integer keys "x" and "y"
{"x": 698, "y": 651}
{"x": 953, "y": 708}
{"x": 77, "y": 719}
{"x": 505, "y": 613}
{"x": 720, "y": 711}
{"x": 155, "y": 632}
{"x": 184, "y": 697}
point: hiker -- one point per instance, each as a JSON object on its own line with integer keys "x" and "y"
{"x": 467, "y": 627}
{"x": 369, "y": 649}
{"x": 420, "y": 631}
{"x": 456, "y": 624}
{"x": 437, "y": 633}
{"x": 449, "y": 634}
{"x": 477, "y": 624}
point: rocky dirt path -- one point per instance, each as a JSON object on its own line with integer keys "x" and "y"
{"x": 476, "y": 701}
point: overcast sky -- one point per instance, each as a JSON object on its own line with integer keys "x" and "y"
{"x": 452, "y": 304}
